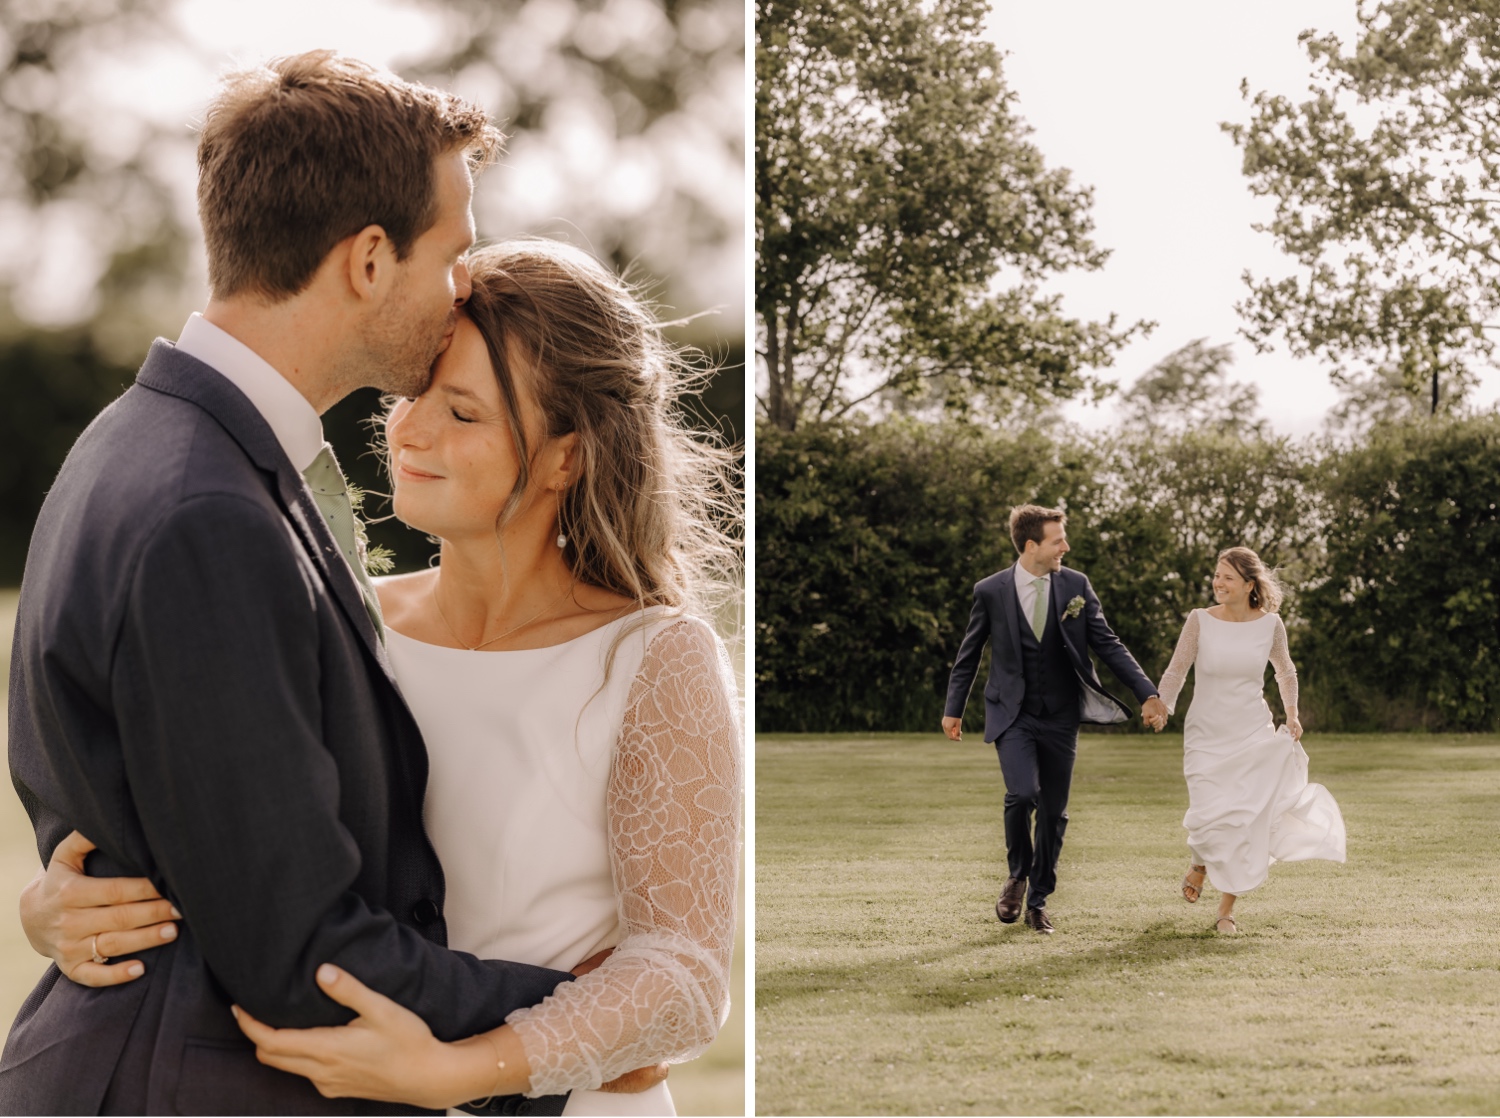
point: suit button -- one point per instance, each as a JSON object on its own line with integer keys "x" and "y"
{"x": 424, "y": 912}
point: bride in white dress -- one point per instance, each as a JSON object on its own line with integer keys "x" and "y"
{"x": 1249, "y": 801}
{"x": 585, "y": 769}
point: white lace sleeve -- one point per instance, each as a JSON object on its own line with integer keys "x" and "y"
{"x": 674, "y": 821}
{"x": 1286, "y": 671}
{"x": 1182, "y": 659}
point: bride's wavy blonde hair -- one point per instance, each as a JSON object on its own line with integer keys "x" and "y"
{"x": 1265, "y": 591}
{"x": 653, "y": 511}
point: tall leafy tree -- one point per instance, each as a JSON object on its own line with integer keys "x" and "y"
{"x": 1189, "y": 390}
{"x": 904, "y": 220}
{"x": 1386, "y": 183}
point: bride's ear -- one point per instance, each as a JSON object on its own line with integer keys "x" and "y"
{"x": 559, "y": 465}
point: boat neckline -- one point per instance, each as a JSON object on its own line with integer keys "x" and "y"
{"x": 523, "y": 651}
{"x": 1226, "y": 621}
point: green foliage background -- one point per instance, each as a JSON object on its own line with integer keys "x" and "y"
{"x": 870, "y": 538}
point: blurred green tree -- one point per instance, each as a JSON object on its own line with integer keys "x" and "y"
{"x": 1386, "y": 183}
{"x": 82, "y": 181}
{"x": 903, "y": 219}
{"x": 38, "y": 427}
{"x": 626, "y": 124}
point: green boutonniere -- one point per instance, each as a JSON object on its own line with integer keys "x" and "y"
{"x": 377, "y": 560}
{"x": 1075, "y": 607}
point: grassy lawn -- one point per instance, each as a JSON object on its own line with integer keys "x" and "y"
{"x": 885, "y": 985}
{"x": 712, "y": 1084}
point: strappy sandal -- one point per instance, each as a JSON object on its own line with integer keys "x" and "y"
{"x": 1234, "y": 929}
{"x": 1191, "y": 889}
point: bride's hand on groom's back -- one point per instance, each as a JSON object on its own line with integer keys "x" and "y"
{"x": 73, "y": 919}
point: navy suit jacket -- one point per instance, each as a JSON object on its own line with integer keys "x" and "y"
{"x": 197, "y": 688}
{"x": 994, "y": 619}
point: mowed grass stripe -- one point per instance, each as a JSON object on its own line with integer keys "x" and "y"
{"x": 885, "y": 985}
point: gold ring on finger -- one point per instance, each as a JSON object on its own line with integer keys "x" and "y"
{"x": 94, "y": 944}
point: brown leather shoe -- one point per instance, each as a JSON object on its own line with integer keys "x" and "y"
{"x": 1037, "y": 918}
{"x": 1008, "y": 907}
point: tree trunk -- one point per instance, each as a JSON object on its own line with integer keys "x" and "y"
{"x": 775, "y": 393}
{"x": 781, "y": 332}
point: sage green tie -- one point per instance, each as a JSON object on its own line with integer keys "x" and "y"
{"x": 331, "y": 493}
{"x": 1039, "y": 608}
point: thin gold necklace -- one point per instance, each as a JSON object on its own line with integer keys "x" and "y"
{"x": 514, "y": 628}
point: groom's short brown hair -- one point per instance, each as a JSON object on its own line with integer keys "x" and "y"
{"x": 304, "y": 151}
{"x": 1028, "y": 522}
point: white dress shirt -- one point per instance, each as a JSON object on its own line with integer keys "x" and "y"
{"x": 291, "y": 418}
{"x": 1026, "y": 590}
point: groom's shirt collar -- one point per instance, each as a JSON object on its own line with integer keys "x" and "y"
{"x": 1026, "y": 589}
{"x": 1025, "y": 577}
{"x": 286, "y": 411}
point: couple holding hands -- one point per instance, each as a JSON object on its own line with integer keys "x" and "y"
{"x": 1249, "y": 800}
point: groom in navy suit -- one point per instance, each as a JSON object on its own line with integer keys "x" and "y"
{"x": 1040, "y": 620}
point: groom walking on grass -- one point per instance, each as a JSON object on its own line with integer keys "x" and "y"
{"x": 1041, "y": 621}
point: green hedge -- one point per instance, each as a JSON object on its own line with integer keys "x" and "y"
{"x": 870, "y": 538}
{"x": 1402, "y": 617}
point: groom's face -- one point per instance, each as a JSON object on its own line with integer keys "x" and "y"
{"x": 416, "y": 323}
{"x": 1048, "y": 554}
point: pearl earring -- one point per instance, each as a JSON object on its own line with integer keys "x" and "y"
{"x": 562, "y": 541}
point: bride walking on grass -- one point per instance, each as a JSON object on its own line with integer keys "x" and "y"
{"x": 1249, "y": 801}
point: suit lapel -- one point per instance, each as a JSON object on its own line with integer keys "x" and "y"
{"x": 1009, "y": 613}
{"x": 318, "y": 539}
{"x": 177, "y": 374}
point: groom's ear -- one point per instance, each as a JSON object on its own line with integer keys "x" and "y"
{"x": 369, "y": 262}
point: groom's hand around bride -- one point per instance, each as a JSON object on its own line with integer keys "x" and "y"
{"x": 953, "y": 728}
{"x": 389, "y": 1054}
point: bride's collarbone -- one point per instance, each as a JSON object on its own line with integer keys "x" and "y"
{"x": 1216, "y": 612}
{"x": 408, "y": 606}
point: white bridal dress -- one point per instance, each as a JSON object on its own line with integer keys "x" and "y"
{"x": 575, "y": 809}
{"x": 1249, "y": 802}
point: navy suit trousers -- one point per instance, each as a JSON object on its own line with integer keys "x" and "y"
{"x": 1036, "y": 759}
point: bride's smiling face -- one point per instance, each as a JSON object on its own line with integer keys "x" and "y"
{"x": 1229, "y": 588}
{"x": 454, "y": 461}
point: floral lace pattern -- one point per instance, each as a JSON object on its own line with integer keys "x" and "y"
{"x": 1186, "y": 653}
{"x": 673, "y": 805}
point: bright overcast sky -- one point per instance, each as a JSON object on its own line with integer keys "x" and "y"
{"x": 1129, "y": 97}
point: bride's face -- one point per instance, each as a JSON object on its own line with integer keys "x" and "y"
{"x": 1229, "y": 588}
{"x": 454, "y": 462}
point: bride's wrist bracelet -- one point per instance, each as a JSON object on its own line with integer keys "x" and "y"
{"x": 499, "y": 1064}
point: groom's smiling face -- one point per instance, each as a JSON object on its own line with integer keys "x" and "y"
{"x": 1047, "y": 556}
